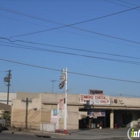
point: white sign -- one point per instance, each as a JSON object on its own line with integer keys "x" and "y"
{"x": 61, "y": 104}
{"x": 61, "y": 109}
{"x": 62, "y": 77}
{"x": 101, "y": 100}
{"x": 84, "y": 99}
{"x": 94, "y": 99}
{"x": 96, "y": 113}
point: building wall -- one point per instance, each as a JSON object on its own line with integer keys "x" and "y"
{"x": 73, "y": 111}
{"x": 23, "y": 95}
{"x": 3, "y": 97}
{"x": 54, "y": 98}
{"x": 40, "y": 106}
{"x": 125, "y": 101}
{"x": 43, "y": 112}
{"x": 46, "y": 113}
{"x": 18, "y": 114}
{"x": 73, "y": 117}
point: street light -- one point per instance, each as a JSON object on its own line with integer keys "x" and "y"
{"x": 53, "y": 84}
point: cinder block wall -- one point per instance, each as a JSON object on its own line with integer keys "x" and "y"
{"x": 73, "y": 117}
{"x": 18, "y": 114}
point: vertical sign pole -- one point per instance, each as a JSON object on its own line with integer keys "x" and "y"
{"x": 65, "y": 105}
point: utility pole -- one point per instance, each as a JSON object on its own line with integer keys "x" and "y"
{"x": 26, "y": 116}
{"x": 7, "y": 79}
{"x": 27, "y": 101}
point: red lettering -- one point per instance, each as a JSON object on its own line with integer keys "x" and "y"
{"x": 88, "y": 96}
{"x": 104, "y": 101}
{"x": 100, "y": 97}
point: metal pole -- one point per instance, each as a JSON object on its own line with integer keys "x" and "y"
{"x": 65, "y": 111}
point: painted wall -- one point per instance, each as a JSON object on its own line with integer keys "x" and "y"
{"x": 40, "y": 106}
{"x": 18, "y": 114}
{"x": 3, "y": 97}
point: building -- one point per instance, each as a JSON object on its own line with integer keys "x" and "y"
{"x": 3, "y": 97}
{"x": 31, "y": 110}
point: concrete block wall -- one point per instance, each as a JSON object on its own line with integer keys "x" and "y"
{"x": 125, "y": 101}
{"x": 18, "y": 115}
{"x": 73, "y": 117}
{"x": 72, "y": 120}
{"x": 54, "y": 98}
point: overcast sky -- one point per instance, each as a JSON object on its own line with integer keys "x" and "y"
{"x": 104, "y": 48}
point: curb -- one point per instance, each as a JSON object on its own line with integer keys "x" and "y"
{"x": 37, "y": 134}
{"x": 16, "y": 132}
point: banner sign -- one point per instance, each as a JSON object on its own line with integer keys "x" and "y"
{"x": 61, "y": 109}
{"x": 96, "y": 114}
{"x": 99, "y": 114}
{"x": 101, "y": 100}
{"x": 84, "y": 99}
{"x": 61, "y": 104}
{"x": 94, "y": 99}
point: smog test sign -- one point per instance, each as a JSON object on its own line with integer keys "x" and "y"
{"x": 101, "y": 99}
{"x": 94, "y": 99}
{"x": 86, "y": 99}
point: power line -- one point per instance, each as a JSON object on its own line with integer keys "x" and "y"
{"x": 122, "y": 4}
{"x": 22, "y": 21}
{"x": 73, "y": 54}
{"x": 128, "y": 3}
{"x": 67, "y": 53}
{"x": 117, "y": 3}
{"x": 25, "y": 14}
{"x": 97, "y": 33}
{"x": 64, "y": 26}
{"x": 110, "y": 36}
{"x": 85, "y": 30}
{"x": 70, "y": 72}
{"x": 69, "y": 48}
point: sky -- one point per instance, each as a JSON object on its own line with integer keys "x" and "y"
{"x": 103, "y": 52}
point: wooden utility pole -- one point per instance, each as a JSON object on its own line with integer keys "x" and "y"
{"x": 26, "y": 116}
{"x": 7, "y": 79}
{"x": 27, "y": 101}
